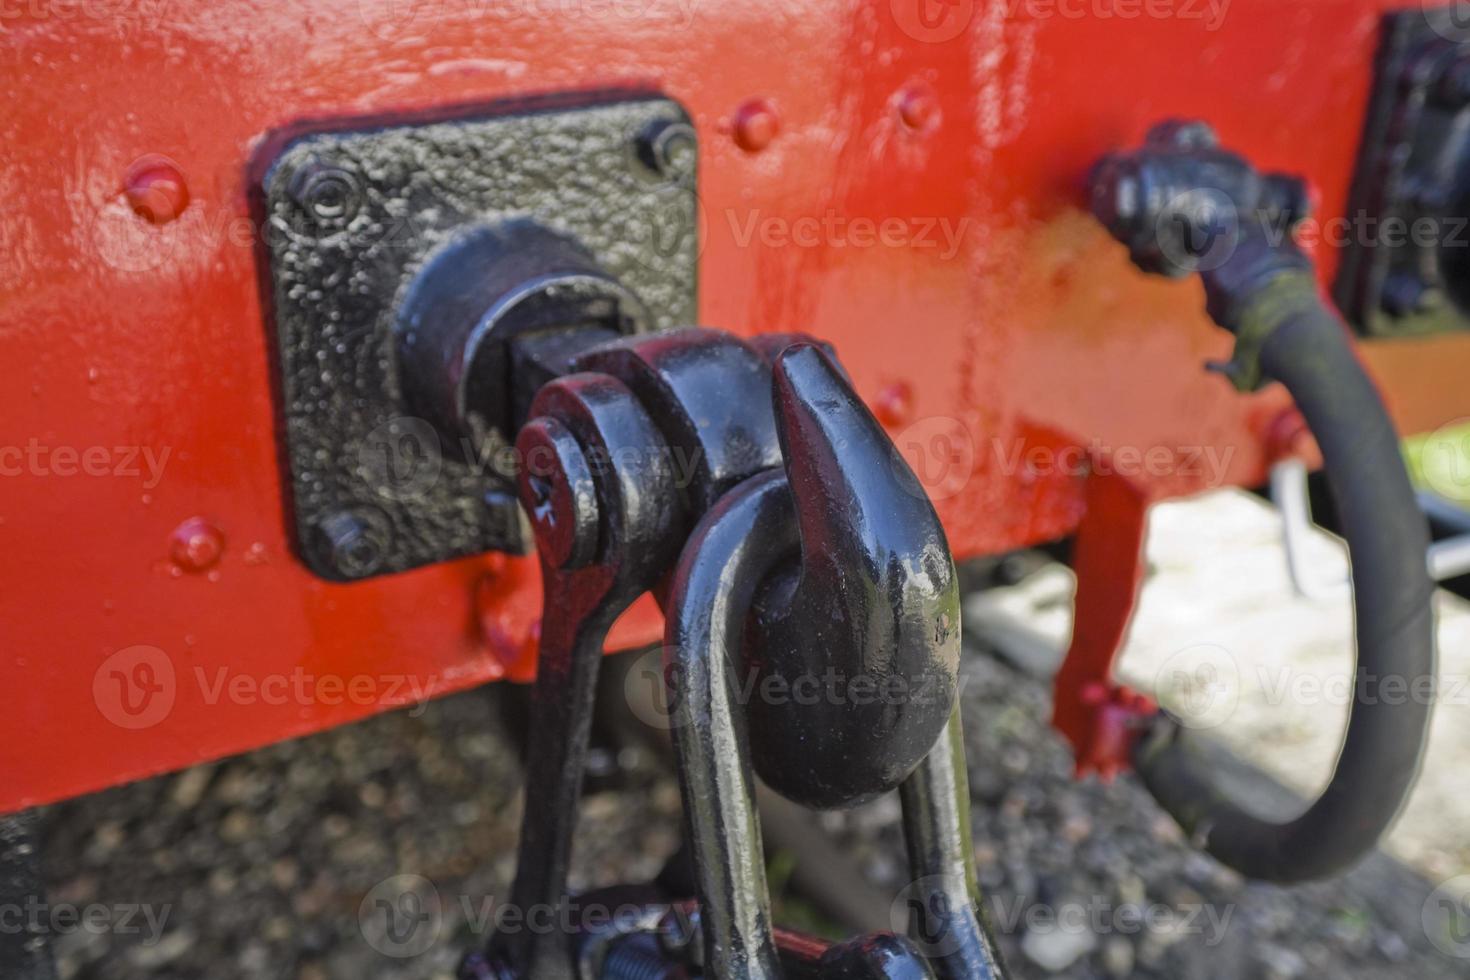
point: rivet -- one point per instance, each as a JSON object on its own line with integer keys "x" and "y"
{"x": 756, "y": 124}
{"x": 155, "y": 189}
{"x": 894, "y": 404}
{"x": 918, "y": 108}
{"x": 510, "y": 640}
{"x": 668, "y": 148}
{"x": 196, "y": 545}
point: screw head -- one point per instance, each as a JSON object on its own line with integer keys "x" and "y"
{"x": 558, "y": 493}
{"x": 328, "y": 196}
{"x": 353, "y": 543}
{"x": 669, "y": 148}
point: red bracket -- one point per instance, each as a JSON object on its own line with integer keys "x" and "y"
{"x": 1103, "y": 719}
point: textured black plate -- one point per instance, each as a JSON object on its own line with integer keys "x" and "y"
{"x": 347, "y": 217}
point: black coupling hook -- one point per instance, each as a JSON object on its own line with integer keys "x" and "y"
{"x": 835, "y": 568}
{"x": 854, "y": 642}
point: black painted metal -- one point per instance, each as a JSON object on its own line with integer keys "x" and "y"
{"x": 845, "y": 567}
{"x": 388, "y": 467}
{"x": 859, "y": 642}
{"x": 1264, "y": 291}
{"x": 1406, "y": 265}
{"x": 596, "y": 421}
{"x": 25, "y": 949}
{"x": 486, "y": 287}
{"x": 722, "y": 566}
{"x": 876, "y": 956}
{"x": 710, "y": 394}
{"x": 1181, "y": 203}
{"x": 944, "y": 901}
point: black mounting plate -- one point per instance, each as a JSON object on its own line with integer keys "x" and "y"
{"x": 1407, "y": 258}
{"x": 349, "y": 212}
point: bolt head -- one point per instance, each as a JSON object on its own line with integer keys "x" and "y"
{"x": 669, "y": 148}
{"x": 558, "y": 493}
{"x": 353, "y": 544}
{"x": 328, "y": 196}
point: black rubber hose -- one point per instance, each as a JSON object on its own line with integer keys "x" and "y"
{"x": 1302, "y": 344}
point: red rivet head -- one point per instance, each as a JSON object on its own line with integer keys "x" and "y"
{"x": 918, "y": 108}
{"x": 155, "y": 189}
{"x": 894, "y": 405}
{"x": 756, "y": 124}
{"x": 196, "y": 545}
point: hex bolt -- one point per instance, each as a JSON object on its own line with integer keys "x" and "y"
{"x": 328, "y": 195}
{"x": 668, "y": 148}
{"x": 558, "y": 493}
{"x": 354, "y": 543}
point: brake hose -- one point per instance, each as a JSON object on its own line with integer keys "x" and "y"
{"x": 1267, "y": 296}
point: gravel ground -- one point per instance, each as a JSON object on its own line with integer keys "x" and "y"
{"x": 259, "y": 866}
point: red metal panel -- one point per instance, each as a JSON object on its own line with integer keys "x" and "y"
{"x": 1003, "y": 336}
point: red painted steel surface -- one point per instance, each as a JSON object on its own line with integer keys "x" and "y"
{"x": 152, "y": 613}
{"x": 1099, "y": 717}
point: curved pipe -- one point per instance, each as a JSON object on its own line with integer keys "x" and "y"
{"x": 1302, "y": 344}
